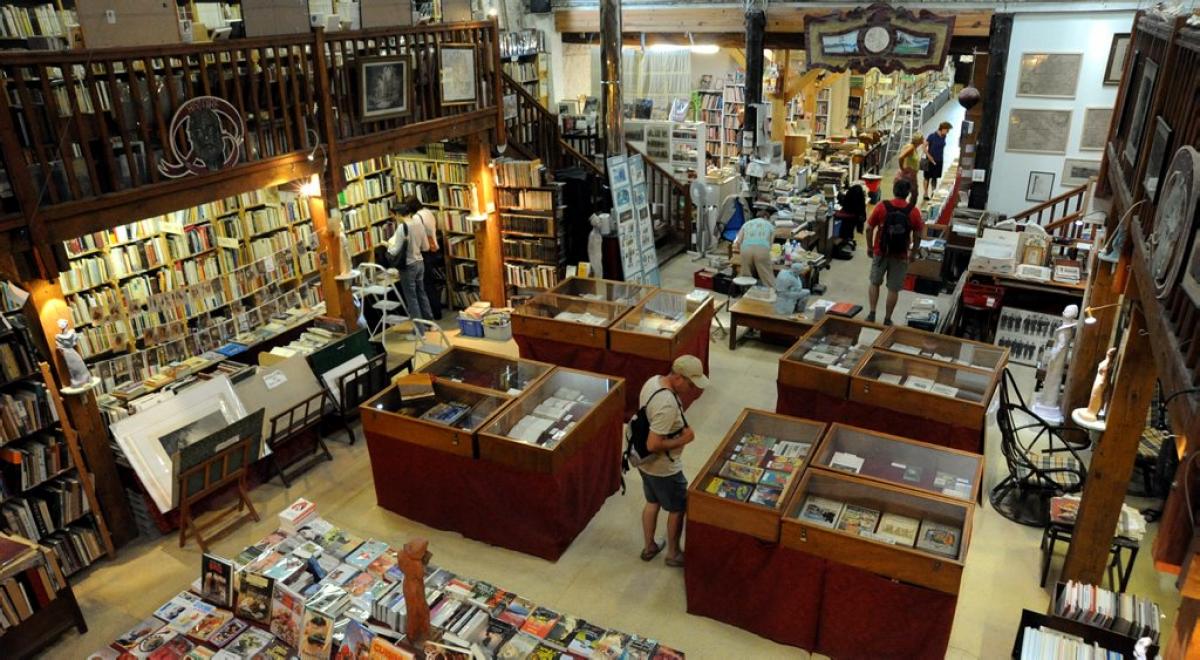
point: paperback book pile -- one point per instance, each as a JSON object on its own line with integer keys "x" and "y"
{"x": 1125, "y": 614}
{"x": 1039, "y": 643}
{"x": 323, "y": 592}
{"x": 892, "y": 528}
{"x": 758, "y": 469}
{"x": 553, "y": 418}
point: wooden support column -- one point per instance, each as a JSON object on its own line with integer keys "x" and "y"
{"x": 1112, "y": 460}
{"x": 487, "y": 233}
{"x": 48, "y": 302}
{"x": 338, "y": 300}
{"x": 1093, "y": 339}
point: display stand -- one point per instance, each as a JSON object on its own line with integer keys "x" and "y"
{"x": 817, "y": 391}
{"x": 291, "y": 427}
{"x": 637, "y": 355}
{"x": 211, "y": 465}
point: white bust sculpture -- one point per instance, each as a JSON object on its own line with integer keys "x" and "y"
{"x": 1046, "y": 403}
{"x": 65, "y": 341}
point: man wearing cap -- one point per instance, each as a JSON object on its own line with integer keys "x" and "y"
{"x": 663, "y": 482}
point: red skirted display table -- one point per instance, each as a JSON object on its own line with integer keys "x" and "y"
{"x": 470, "y": 473}
{"x": 935, "y": 387}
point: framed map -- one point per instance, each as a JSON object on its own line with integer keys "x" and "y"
{"x": 1038, "y": 131}
{"x": 1095, "y": 129}
{"x": 1076, "y": 171}
{"x": 1049, "y": 74}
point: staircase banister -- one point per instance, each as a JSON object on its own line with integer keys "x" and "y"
{"x": 1052, "y": 202}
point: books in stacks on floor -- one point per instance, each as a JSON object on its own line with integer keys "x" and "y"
{"x": 939, "y": 538}
{"x": 820, "y": 511}
{"x": 898, "y": 529}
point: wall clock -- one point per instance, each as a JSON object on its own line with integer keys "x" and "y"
{"x": 1174, "y": 219}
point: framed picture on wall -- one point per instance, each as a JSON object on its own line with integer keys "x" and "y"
{"x": 1095, "y": 129}
{"x": 1077, "y": 171}
{"x": 456, "y": 78}
{"x": 1159, "y": 150}
{"x": 1141, "y": 107}
{"x": 1039, "y": 186}
{"x": 1054, "y": 75}
{"x": 1116, "y": 58}
{"x": 1038, "y": 131}
{"x": 384, "y": 86}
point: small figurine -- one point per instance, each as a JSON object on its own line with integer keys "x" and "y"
{"x": 1046, "y": 404}
{"x": 791, "y": 296}
{"x": 413, "y": 559}
{"x": 1099, "y": 387}
{"x": 66, "y": 340}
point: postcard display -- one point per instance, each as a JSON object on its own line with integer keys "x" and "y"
{"x": 846, "y": 541}
{"x": 514, "y": 453}
{"x": 936, "y": 387}
{"x": 635, "y": 227}
{"x": 314, "y": 590}
{"x": 631, "y": 331}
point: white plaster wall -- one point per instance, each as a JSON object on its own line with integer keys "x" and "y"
{"x": 1089, "y": 33}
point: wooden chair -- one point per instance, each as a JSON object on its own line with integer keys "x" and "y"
{"x": 300, "y": 420}
{"x": 1037, "y": 469}
{"x": 214, "y": 464}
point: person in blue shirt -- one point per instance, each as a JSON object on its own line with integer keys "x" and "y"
{"x": 935, "y": 148}
{"x": 754, "y": 241}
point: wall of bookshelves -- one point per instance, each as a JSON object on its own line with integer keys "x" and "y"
{"x": 732, "y": 105}
{"x": 30, "y": 24}
{"x": 437, "y": 177}
{"x": 532, "y": 239}
{"x": 710, "y": 114}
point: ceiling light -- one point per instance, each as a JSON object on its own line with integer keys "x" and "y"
{"x": 706, "y": 49}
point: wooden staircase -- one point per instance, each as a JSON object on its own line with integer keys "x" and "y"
{"x": 535, "y": 132}
{"x": 1061, "y": 216}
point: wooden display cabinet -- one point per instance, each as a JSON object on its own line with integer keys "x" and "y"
{"x": 930, "y": 390}
{"x": 486, "y": 370}
{"x": 600, "y": 399}
{"x": 627, "y": 294}
{"x": 389, "y": 417}
{"x": 797, "y": 369}
{"x": 870, "y": 551}
{"x": 539, "y": 319}
{"x": 903, "y": 462}
{"x": 648, "y": 331}
{"x": 944, "y": 348}
{"x": 758, "y": 520}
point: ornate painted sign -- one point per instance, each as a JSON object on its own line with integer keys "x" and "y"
{"x": 881, "y": 36}
{"x": 206, "y": 135}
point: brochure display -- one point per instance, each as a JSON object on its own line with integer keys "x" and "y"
{"x": 525, "y": 468}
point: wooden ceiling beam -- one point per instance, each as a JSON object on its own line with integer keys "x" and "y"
{"x": 729, "y": 20}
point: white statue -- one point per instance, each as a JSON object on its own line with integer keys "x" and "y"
{"x": 1046, "y": 403}
{"x": 66, "y": 340}
{"x": 1099, "y": 388}
{"x": 595, "y": 245}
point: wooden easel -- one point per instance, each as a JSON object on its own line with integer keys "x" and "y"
{"x": 301, "y": 419}
{"x": 211, "y": 465}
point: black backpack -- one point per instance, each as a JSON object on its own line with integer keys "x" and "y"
{"x": 896, "y": 228}
{"x": 638, "y": 435}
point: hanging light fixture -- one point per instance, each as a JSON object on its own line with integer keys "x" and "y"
{"x": 1088, "y": 316}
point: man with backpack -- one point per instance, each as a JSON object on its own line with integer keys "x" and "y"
{"x": 658, "y": 434}
{"x": 894, "y": 234}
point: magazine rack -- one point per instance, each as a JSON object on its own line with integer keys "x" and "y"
{"x": 211, "y": 465}
{"x": 290, "y": 427}
{"x": 356, "y": 387}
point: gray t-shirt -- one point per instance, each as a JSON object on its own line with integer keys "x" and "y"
{"x": 666, "y": 417}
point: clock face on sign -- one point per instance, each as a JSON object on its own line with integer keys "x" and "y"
{"x": 877, "y": 39}
{"x": 1173, "y": 220}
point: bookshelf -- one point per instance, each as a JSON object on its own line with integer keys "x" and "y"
{"x": 32, "y": 24}
{"x": 710, "y": 113}
{"x": 212, "y": 15}
{"x": 439, "y": 178}
{"x": 733, "y": 104}
{"x": 531, "y": 231}
{"x": 821, "y": 114}
{"x": 37, "y": 604}
{"x": 524, "y": 57}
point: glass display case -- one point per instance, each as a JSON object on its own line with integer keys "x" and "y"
{"x": 888, "y": 530}
{"x": 567, "y": 320}
{"x": 924, "y": 389}
{"x": 824, "y": 358}
{"x": 626, "y": 294}
{"x": 901, "y": 461}
{"x": 446, "y": 420}
{"x": 662, "y": 324}
{"x": 746, "y": 482}
{"x": 549, "y": 422}
{"x": 944, "y": 348}
{"x": 486, "y": 370}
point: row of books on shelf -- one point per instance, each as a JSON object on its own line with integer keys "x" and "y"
{"x": 291, "y": 590}
{"x": 362, "y": 216}
{"x": 522, "y": 71}
{"x": 25, "y": 409}
{"x": 929, "y": 535}
{"x": 47, "y": 509}
{"x": 455, "y": 221}
{"x": 1123, "y": 613}
{"x": 527, "y": 224}
{"x": 526, "y": 200}
{"x": 26, "y": 464}
{"x": 427, "y": 193}
{"x": 458, "y": 197}
{"x": 44, "y": 20}
{"x": 735, "y": 93}
{"x": 15, "y": 361}
{"x": 365, "y": 168}
{"x": 536, "y": 248}
{"x": 77, "y": 547}
{"x": 519, "y": 173}
{"x": 465, "y": 273}
{"x": 1043, "y": 642}
{"x": 462, "y": 246}
{"x": 539, "y": 277}
{"x": 30, "y": 579}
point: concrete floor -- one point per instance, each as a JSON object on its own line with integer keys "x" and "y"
{"x": 600, "y": 577}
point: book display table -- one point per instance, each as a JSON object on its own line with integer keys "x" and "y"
{"x": 528, "y": 477}
{"x": 814, "y": 375}
{"x": 871, "y": 541}
{"x": 760, "y": 315}
{"x": 572, "y": 332}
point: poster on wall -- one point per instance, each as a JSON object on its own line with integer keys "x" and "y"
{"x": 1095, "y": 129}
{"x": 1054, "y": 75}
{"x": 456, "y": 63}
{"x": 1076, "y": 171}
{"x": 1038, "y": 131}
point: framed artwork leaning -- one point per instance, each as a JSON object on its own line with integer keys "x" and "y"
{"x": 385, "y": 85}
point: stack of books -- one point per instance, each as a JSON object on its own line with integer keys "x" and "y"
{"x": 1122, "y": 613}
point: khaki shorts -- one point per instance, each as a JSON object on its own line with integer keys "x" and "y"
{"x": 895, "y": 269}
